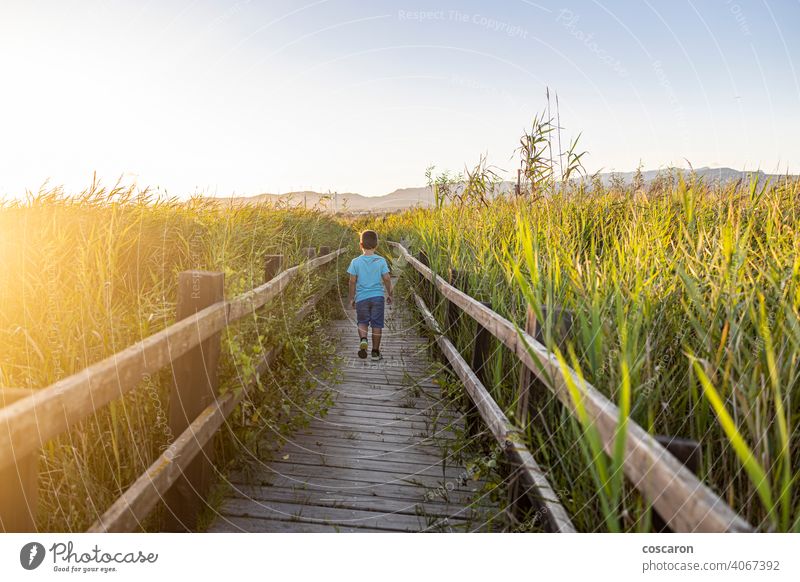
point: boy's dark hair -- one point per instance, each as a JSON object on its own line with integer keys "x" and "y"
{"x": 369, "y": 239}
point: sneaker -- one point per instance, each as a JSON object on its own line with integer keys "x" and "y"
{"x": 376, "y": 355}
{"x": 362, "y": 348}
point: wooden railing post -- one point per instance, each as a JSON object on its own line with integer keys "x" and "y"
{"x": 272, "y": 266}
{"x": 427, "y": 293}
{"x": 688, "y": 452}
{"x": 480, "y": 352}
{"x": 195, "y": 387}
{"x": 456, "y": 279}
{"x": 311, "y": 252}
{"x": 324, "y": 250}
{"x": 19, "y": 483}
{"x": 562, "y": 326}
{"x": 526, "y": 377}
{"x": 480, "y": 356}
{"x": 518, "y": 502}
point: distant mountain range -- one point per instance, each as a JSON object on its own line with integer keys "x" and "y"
{"x": 343, "y": 202}
{"x": 720, "y": 175}
{"x": 423, "y": 196}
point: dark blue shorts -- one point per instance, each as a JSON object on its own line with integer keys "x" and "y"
{"x": 370, "y": 311}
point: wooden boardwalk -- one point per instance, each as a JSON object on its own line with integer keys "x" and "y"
{"x": 379, "y": 459}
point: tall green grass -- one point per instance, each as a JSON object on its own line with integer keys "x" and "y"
{"x": 85, "y": 276}
{"x": 685, "y": 298}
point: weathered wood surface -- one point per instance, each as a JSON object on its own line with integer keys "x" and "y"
{"x": 139, "y": 500}
{"x": 28, "y": 423}
{"x": 19, "y": 483}
{"x": 374, "y": 462}
{"x": 506, "y": 434}
{"x": 195, "y": 387}
{"x": 685, "y": 503}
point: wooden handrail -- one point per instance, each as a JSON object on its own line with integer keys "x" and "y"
{"x": 684, "y": 502}
{"x": 28, "y": 423}
{"x": 506, "y": 434}
{"x": 141, "y": 497}
{"x": 11, "y": 395}
{"x": 250, "y": 301}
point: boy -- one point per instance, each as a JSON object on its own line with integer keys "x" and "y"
{"x": 369, "y": 274}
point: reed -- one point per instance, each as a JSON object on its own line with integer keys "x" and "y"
{"x": 84, "y": 276}
{"x": 684, "y": 298}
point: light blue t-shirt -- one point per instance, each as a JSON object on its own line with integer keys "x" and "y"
{"x": 369, "y": 269}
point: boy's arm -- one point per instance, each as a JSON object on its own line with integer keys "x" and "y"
{"x": 387, "y": 282}
{"x": 351, "y": 296}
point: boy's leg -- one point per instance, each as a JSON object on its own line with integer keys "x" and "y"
{"x": 376, "y": 338}
{"x": 362, "y": 317}
{"x": 376, "y": 321}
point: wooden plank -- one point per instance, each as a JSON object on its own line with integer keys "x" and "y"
{"x": 505, "y": 433}
{"x": 394, "y": 384}
{"x": 353, "y": 365}
{"x": 235, "y": 507}
{"x": 368, "y": 448}
{"x": 11, "y": 395}
{"x": 462, "y": 493}
{"x": 19, "y": 490}
{"x": 333, "y": 450}
{"x": 435, "y": 507}
{"x": 309, "y": 441}
{"x": 390, "y": 373}
{"x": 346, "y": 419}
{"x": 248, "y": 524}
{"x": 194, "y": 387}
{"x": 411, "y": 399}
{"x": 394, "y": 402}
{"x": 386, "y": 435}
{"x": 430, "y": 477}
{"x": 327, "y": 514}
{"x": 343, "y": 416}
{"x": 351, "y": 386}
{"x": 365, "y": 430}
{"x": 398, "y": 405}
{"x": 341, "y": 448}
{"x": 365, "y": 403}
{"x": 339, "y": 418}
{"x": 365, "y": 435}
{"x": 362, "y": 409}
{"x": 516, "y": 499}
{"x": 397, "y": 463}
{"x": 685, "y": 503}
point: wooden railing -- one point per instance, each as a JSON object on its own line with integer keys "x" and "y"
{"x": 680, "y": 498}
{"x": 180, "y": 476}
{"x": 505, "y": 433}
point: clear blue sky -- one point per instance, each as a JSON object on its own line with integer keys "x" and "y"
{"x": 247, "y": 97}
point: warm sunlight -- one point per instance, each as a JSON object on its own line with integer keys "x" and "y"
{"x": 515, "y": 268}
